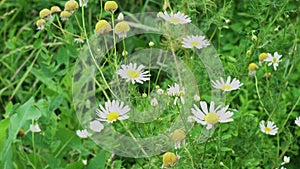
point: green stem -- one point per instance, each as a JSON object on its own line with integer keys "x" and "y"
{"x": 114, "y": 38}
{"x": 259, "y": 98}
{"x": 33, "y": 144}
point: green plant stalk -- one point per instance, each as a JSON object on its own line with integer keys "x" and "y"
{"x": 33, "y": 144}
{"x": 190, "y": 156}
{"x": 101, "y": 8}
{"x": 114, "y": 39}
{"x": 259, "y": 98}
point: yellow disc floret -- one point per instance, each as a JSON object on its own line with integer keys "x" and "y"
{"x": 71, "y": 6}
{"x": 169, "y": 159}
{"x": 44, "y": 13}
{"x": 64, "y": 15}
{"x": 252, "y": 67}
{"x": 262, "y": 56}
{"x": 112, "y": 116}
{"x": 102, "y": 27}
{"x": 55, "y": 9}
{"x": 212, "y": 118}
{"x": 178, "y": 135}
{"x": 122, "y": 28}
{"x": 110, "y": 6}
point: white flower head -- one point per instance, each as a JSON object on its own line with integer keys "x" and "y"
{"x": 96, "y": 126}
{"x": 175, "y": 19}
{"x": 270, "y": 129}
{"x": 273, "y": 60}
{"x": 286, "y": 160}
{"x": 228, "y": 85}
{"x": 83, "y": 133}
{"x": 196, "y": 98}
{"x": 297, "y": 121}
{"x": 195, "y": 41}
{"x": 154, "y": 102}
{"x": 133, "y": 73}
{"x": 79, "y": 40}
{"x": 160, "y": 91}
{"x": 174, "y": 91}
{"x": 179, "y": 138}
{"x": 211, "y": 116}
{"x": 34, "y": 128}
{"x": 83, "y": 3}
{"x": 113, "y": 111}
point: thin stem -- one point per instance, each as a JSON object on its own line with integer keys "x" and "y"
{"x": 288, "y": 116}
{"x": 101, "y": 9}
{"x": 259, "y": 98}
{"x": 114, "y": 38}
{"x": 190, "y": 156}
{"x": 33, "y": 144}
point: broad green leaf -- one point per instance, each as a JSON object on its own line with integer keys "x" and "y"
{"x": 98, "y": 162}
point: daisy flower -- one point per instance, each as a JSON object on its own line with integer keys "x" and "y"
{"x": 179, "y": 138}
{"x": 286, "y": 160}
{"x": 297, "y": 121}
{"x": 34, "y": 128}
{"x": 175, "y": 19}
{"x": 174, "y": 91}
{"x": 79, "y": 40}
{"x": 270, "y": 129}
{"x": 274, "y": 60}
{"x": 169, "y": 159}
{"x": 195, "y": 41}
{"x": 96, "y": 126}
{"x": 210, "y": 117}
{"x": 133, "y": 73}
{"x": 113, "y": 111}
{"x": 227, "y": 86}
{"x": 83, "y": 133}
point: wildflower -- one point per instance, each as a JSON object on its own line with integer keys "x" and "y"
{"x": 174, "y": 91}
{"x": 154, "y": 102}
{"x": 248, "y": 53}
{"x": 110, "y": 6}
{"x": 227, "y": 21}
{"x": 64, "y": 15}
{"x": 34, "y": 128}
{"x": 71, "y": 6}
{"x": 262, "y": 57}
{"x": 169, "y": 159}
{"x": 286, "y": 160}
{"x": 113, "y": 111}
{"x": 120, "y": 17}
{"x": 84, "y": 162}
{"x": 83, "y": 133}
{"x": 144, "y": 95}
{"x": 254, "y": 38}
{"x": 96, "y": 126}
{"x": 195, "y": 41}
{"x": 273, "y": 60}
{"x": 45, "y": 14}
{"x": 121, "y": 29}
{"x": 227, "y": 86}
{"x": 252, "y": 68}
{"x": 133, "y": 73}
{"x": 83, "y": 3}
{"x": 179, "y": 138}
{"x": 211, "y": 117}
{"x": 160, "y": 91}
{"x": 175, "y": 19}
{"x": 151, "y": 44}
{"x": 40, "y": 24}
{"x": 270, "y": 129}
{"x": 102, "y": 27}
{"x": 55, "y": 9}
{"x": 297, "y": 121}
{"x": 196, "y": 98}
{"x": 124, "y": 53}
{"x": 79, "y": 40}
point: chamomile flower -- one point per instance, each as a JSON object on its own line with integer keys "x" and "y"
{"x": 286, "y": 160}
{"x": 40, "y": 24}
{"x": 169, "y": 159}
{"x": 154, "y": 102}
{"x": 110, "y": 6}
{"x": 262, "y": 57}
{"x": 102, "y": 27}
{"x": 228, "y": 85}
{"x": 79, "y": 40}
{"x": 55, "y": 9}
{"x": 210, "y": 117}
{"x": 71, "y": 6}
{"x": 83, "y": 133}
{"x": 121, "y": 29}
{"x": 34, "y": 128}
{"x": 252, "y": 68}
{"x": 297, "y": 121}
{"x": 65, "y": 15}
{"x": 83, "y": 3}
{"x": 45, "y": 14}
{"x": 113, "y": 111}
{"x": 195, "y": 41}
{"x": 270, "y": 129}
{"x": 179, "y": 138}
{"x": 273, "y": 60}
{"x": 175, "y": 91}
{"x": 96, "y": 126}
{"x": 133, "y": 73}
{"x": 175, "y": 19}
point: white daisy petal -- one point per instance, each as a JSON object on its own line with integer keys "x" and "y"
{"x": 96, "y": 126}
{"x": 270, "y": 129}
{"x": 175, "y": 19}
{"x": 195, "y": 41}
{"x": 113, "y": 111}
{"x": 132, "y": 73}
{"x": 227, "y": 86}
{"x": 83, "y": 133}
{"x": 297, "y": 121}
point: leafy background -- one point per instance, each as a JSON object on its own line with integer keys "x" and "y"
{"x": 36, "y": 82}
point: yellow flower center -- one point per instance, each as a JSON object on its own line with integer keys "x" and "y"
{"x": 102, "y": 27}
{"x": 274, "y": 60}
{"x": 111, "y": 6}
{"x": 252, "y": 67}
{"x": 178, "y": 135}
{"x": 133, "y": 74}
{"x": 211, "y": 118}
{"x": 268, "y": 129}
{"x": 174, "y": 20}
{"x": 225, "y": 87}
{"x": 169, "y": 159}
{"x": 195, "y": 44}
{"x": 122, "y": 27}
{"x": 263, "y": 56}
{"x": 112, "y": 116}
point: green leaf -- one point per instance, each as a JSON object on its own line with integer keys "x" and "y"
{"x": 3, "y": 128}
{"x": 98, "y": 162}
{"x": 75, "y": 165}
